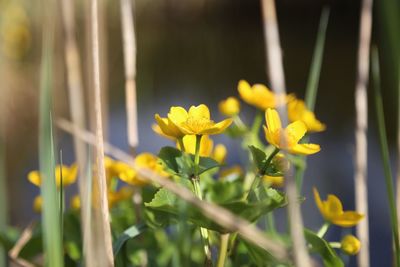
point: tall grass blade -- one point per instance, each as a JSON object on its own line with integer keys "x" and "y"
{"x": 385, "y": 154}
{"x": 277, "y": 78}
{"x": 3, "y": 190}
{"x": 313, "y": 81}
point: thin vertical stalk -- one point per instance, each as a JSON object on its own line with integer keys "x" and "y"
{"x": 360, "y": 175}
{"x": 77, "y": 111}
{"x": 385, "y": 154}
{"x": 100, "y": 179}
{"x": 50, "y": 213}
{"x": 3, "y": 189}
{"x": 223, "y": 250}
{"x": 277, "y": 78}
{"x": 129, "y": 44}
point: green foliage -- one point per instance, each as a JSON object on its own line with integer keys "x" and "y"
{"x": 320, "y": 246}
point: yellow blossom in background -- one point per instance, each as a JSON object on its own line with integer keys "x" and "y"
{"x": 122, "y": 194}
{"x": 259, "y": 96}
{"x": 76, "y": 202}
{"x": 297, "y": 111}
{"x": 169, "y": 126}
{"x": 197, "y": 121}
{"x": 289, "y": 137}
{"x": 219, "y": 153}
{"x": 332, "y": 211}
{"x": 145, "y": 161}
{"x": 229, "y": 107}
{"x": 275, "y": 181}
{"x": 37, "y": 204}
{"x": 350, "y": 245}
{"x": 231, "y": 172}
{"x": 69, "y": 175}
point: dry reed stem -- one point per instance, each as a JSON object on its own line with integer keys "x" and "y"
{"x": 129, "y": 44}
{"x": 277, "y": 78}
{"x": 360, "y": 176}
{"x": 77, "y": 111}
{"x": 20, "y": 244}
{"x": 214, "y": 212}
{"x": 100, "y": 177}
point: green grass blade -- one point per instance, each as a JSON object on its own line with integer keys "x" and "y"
{"x": 50, "y": 214}
{"x": 315, "y": 70}
{"x": 3, "y": 196}
{"x": 385, "y": 153}
{"x": 129, "y": 233}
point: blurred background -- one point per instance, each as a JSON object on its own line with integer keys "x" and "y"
{"x": 195, "y": 51}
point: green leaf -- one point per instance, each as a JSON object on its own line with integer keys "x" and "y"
{"x": 129, "y": 233}
{"x": 259, "y": 256}
{"x": 206, "y": 163}
{"x": 259, "y": 156}
{"x": 319, "y": 245}
{"x": 169, "y": 156}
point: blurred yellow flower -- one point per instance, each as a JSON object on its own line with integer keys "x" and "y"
{"x": 332, "y": 211}
{"x": 219, "y": 153}
{"x": 297, "y": 111}
{"x": 275, "y": 181}
{"x": 289, "y": 137}
{"x": 37, "y": 204}
{"x": 229, "y": 107}
{"x": 122, "y": 194}
{"x": 69, "y": 175}
{"x": 145, "y": 161}
{"x": 76, "y": 202}
{"x": 350, "y": 245}
{"x": 259, "y": 96}
{"x": 197, "y": 121}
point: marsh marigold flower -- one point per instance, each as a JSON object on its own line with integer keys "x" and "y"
{"x": 122, "y": 194}
{"x": 145, "y": 161}
{"x": 76, "y": 202}
{"x": 297, "y": 111}
{"x": 69, "y": 175}
{"x": 288, "y": 138}
{"x": 197, "y": 121}
{"x": 332, "y": 211}
{"x": 219, "y": 153}
{"x": 168, "y": 126}
{"x": 350, "y": 245}
{"x": 259, "y": 96}
{"x": 37, "y": 204}
{"x": 229, "y": 107}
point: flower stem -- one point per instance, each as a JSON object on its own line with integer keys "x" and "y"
{"x": 197, "y": 190}
{"x": 181, "y": 144}
{"x": 335, "y": 244}
{"x": 324, "y": 228}
{"x": 223, "y": 249}
{"x": 257, "y": 123}
{"x": 238, "y": 121}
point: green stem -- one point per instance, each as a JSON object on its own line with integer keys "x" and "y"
{"x": 324, "y": 228}
{"x": 271, "y": 222}
{"x": 223, "y": 249}
{"x": 181, "y": 144}
{"x": 335, "y": 244}
{"x": 385, "y": 153}
{"x": 257, "y": 123}
{"x": 198, "y": 193}
{"x": 269, "y": 159}
{"x": 239, "y": 123}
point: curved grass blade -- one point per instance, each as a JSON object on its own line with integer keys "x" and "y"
{"x": 129, "y": 233}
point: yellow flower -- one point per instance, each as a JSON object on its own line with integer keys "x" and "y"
{"x": 197, "y": 121}
{"x": 297, "y": 111}
{"x": 332, "y": 211}
{"x": 259, "y": 96}
{"x": 289, "y": 137}
{"x": 275, "y": 181}
{"x": 229, "y": 107}
{"x": 69, "y": 175}
{"x": 76, "y": 202}
{"x": 169, "y": 126}
{"x": 124, "y": 193}
{"x": 219, "y": 153}
{"x": 206, "y": 147}
{"x": 37, "y": 204}
{"x": 350, "y": 245}
{"x": 157, "y": 129}
{"x": 145, "y": 161}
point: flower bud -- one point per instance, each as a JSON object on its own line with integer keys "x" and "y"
{"x": 229, "y": 107}
{"x": 219, "y": 153}
{"x": 350, "y": 245}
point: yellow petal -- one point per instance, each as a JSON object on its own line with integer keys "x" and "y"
{"x": 157, "y": 129}
{"x": 305, "y": 149}
{"x": 245, "y": 92}
{"x": 37, "y": 204}
{"x": 295, "y": 131}
{"x": 318, "y": 201}
{"x": 163, "y": 124}
{"x": 218, "y": 127}
{"x": 219, "y": 153}
{"x": 177, "y": 115}
{"x": 273, "y": 120}
{"x": 199, "y": 112}
{"x": 348, "y": 219}
{"x": 34, "y": 178}
{"x": 275, "y": 181}
{"x": 272, "y": 137}
{"x": 229, "y": 107}
{"x": 333, "y": 206}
